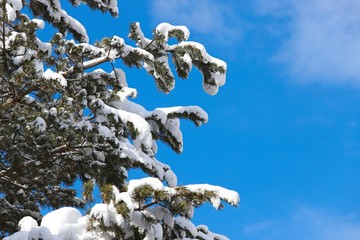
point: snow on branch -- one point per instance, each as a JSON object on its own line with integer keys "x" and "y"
{"x": 206, "y": 192}
{"x": 166, "y": 31}
{"x": 212, "y": 69}
{"x": 138, "y": 127}
{"x": 68, "y": 223}
{"x": 52, "y": 12}
{"x": 11, "y": 7}
{"x": 184, "y": 55}
{"x": 167, "y": 120}
{"x": 148, "y": 202}
{"x": 103, "y": 6}
{"x": 220, "y": 193}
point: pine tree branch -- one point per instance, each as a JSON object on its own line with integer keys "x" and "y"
{"x": 66, "y": 148}
{"x": 113, "y": 67}
{"x": 147, "y": 206}
{"x": 148, "y": 45}
{"x": 88, "y": 64}
{"x": 3, "y": 39}
{"x": 9, "y": 181}
{"x": 9, "y": 102}
{"x": 4, "y": 95}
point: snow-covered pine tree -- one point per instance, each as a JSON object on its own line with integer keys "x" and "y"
{"x": 62, "y": 119}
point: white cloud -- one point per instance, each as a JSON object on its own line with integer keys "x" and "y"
{"x": 321, "y": 225}
{"x": 324, "y": 38}
{"x": 256, "y": 227}
{"x": 306, "y": 224}
{"x": 208, "y": 17}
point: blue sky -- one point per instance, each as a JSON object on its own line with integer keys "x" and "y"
{"x": 285, "y": 129}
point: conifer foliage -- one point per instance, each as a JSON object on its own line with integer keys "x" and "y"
{"x": 64, "y": 119}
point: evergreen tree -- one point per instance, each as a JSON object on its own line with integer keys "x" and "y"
{"x": 62, "y": 119}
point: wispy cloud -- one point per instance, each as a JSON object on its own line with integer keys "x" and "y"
{"x": 323, "y": 41}
{"x": 305, "y": 224}
{"x": 257, "y": 227}
{"x": 208, "y": 17}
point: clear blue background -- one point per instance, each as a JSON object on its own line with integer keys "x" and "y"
{"x": 284, "y": 130}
